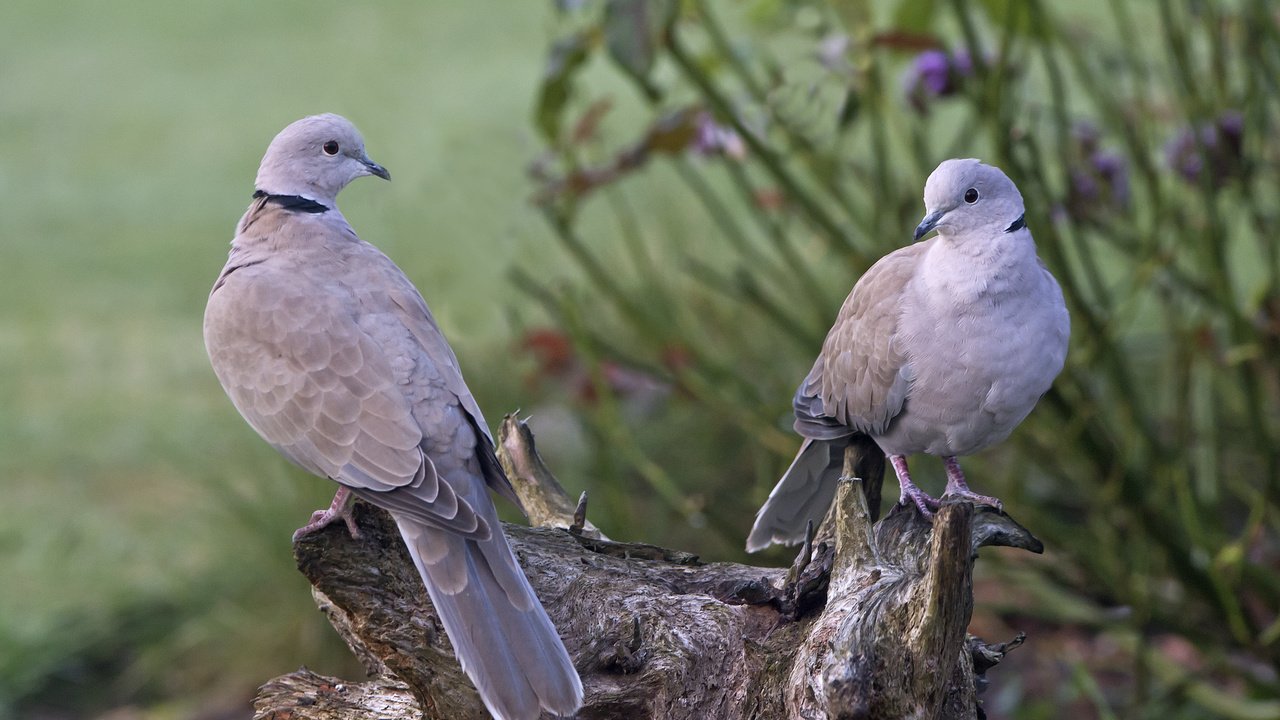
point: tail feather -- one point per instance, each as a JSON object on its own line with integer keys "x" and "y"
{"x": 804, "y": 493}
{"x": 500, "y": 633}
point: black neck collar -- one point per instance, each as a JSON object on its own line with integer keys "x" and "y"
{"x": 1018, "y": 224}
{"x": 296, "y": 203}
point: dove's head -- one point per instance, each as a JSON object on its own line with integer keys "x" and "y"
{"x": 315, "y": 158}
{"x": 964, "y": 196}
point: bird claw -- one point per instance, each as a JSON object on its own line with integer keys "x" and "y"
{"x": 324, "y": 518}
{"x": 908, "y": 490}
{"x": 957, "y": 487}
{"x": 925, "y": 504}
{"x": 976, "y": 499}
{"x": 339, "y": 509}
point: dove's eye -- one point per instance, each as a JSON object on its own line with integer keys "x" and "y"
{"x": 970, "y": 195}
{"x": 331, "y": 148}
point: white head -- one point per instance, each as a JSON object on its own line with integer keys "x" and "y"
{"x": 964, "y": 196}
{"x": 315, "y": 158}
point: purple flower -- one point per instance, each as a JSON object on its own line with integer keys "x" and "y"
{"x": 933, "y": 71}
{"x": 1231, "y": 130}
{"x": 1103, "y": 179}
{"x": 712, "y": 138}
{"x": 1183, "y": 156}
{"x": 1083, "y": 185}
{"x": 1099, "y": 179}
{"x": 1231, "y": 124}
{"x": 1086, "y": 135}
{"x": 935, "y": 74}
{"x": 1113, "y": 170}
{"x": 1217, "y": 145}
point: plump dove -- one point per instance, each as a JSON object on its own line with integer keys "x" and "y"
{"x": 942, "y": 348}
{"x": 331, "y": 354}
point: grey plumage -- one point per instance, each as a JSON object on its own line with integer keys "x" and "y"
{"x": 333, "y": 357}
{"x": 942, "y": 348}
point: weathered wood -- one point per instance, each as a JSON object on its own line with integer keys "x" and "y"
{"x": 870, "y": 624}
{"x": 544, "y": 499}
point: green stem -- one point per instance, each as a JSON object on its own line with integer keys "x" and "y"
{"x": 725, "y": 220}
{"x": 795, "y": 264}
{"x": 812, "y": 210}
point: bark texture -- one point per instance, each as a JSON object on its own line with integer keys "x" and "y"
{"x": 868, "y": 623}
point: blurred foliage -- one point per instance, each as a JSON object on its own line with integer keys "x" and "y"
{"x": 1144, "y": 138}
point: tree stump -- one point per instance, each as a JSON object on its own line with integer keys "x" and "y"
{"x": 868, "y": 623}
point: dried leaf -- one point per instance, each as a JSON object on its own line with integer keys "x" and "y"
{"x": 905, "y": 41}
{"x": 673, "y": 132}
{"x": 587, "y": 125}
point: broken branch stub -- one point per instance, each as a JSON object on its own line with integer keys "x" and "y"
{"x": 543, "y": 497}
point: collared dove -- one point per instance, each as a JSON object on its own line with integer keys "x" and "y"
{"x": 331, "y": 355}
{"x": 942, "y": 348}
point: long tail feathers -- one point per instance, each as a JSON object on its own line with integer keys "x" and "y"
{"x": 804, "y": 493}
{"x": 500, "y": 633}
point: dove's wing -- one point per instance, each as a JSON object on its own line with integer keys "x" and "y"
{"x": 320, "y": 388}
{"x": 861, "y": 378}
{"x": 858, "y": 384}
{"x": 449, "y": 388}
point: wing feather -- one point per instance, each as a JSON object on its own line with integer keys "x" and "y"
{"x": 860, "y": 380}
{"x": 417, "y": 317}
{"x": 345, "y": 418}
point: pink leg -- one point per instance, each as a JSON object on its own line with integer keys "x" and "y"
{"x": 956, "y": 485}
{"x": 339, "y": 509}
{"x": 925, "y": 504}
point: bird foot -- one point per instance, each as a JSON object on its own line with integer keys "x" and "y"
{"x": 339, "y": 509}
{"x": 958, "y": 487}
{"x": 975, "y": 498}
{"x": 925, "y": 504}
{"x": 908, "y": 490}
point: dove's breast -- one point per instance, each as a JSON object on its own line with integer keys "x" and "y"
{"x": 982, "y": 347}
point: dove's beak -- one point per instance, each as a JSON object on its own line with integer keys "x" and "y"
{"x": 376, "y": 169}
{"x": 929, "y": 222}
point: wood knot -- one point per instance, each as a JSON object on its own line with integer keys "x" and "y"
{"x": 620, "y": 650}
